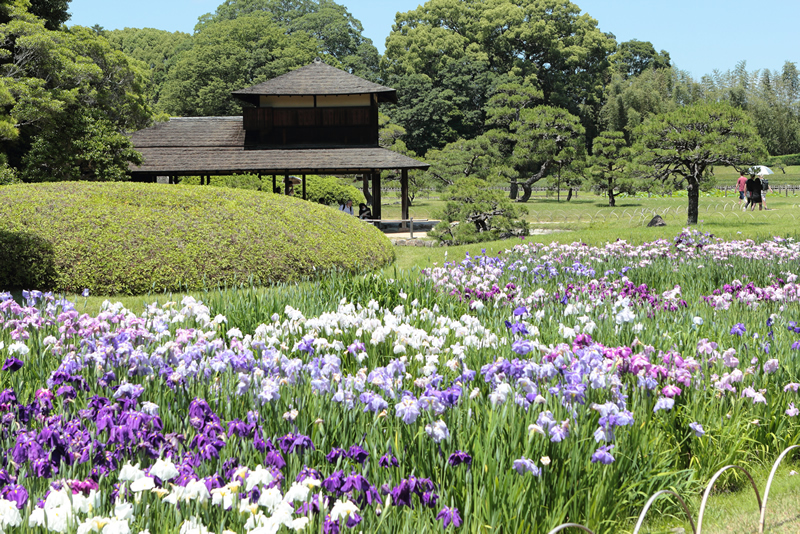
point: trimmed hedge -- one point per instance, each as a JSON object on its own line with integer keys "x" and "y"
{"x": 126, "y": 238}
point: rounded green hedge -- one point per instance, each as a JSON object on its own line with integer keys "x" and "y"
{"x": 126, "y": 238}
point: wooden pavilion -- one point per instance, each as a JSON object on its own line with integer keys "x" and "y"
{"x": 313, "y": 120}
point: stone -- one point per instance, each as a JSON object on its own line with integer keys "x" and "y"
{"x": 656, "y": 221}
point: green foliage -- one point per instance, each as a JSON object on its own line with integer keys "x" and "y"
{"x": 126, "y": 238}
{"x": 455, "y": 53}
{"x": 634, "y": 57}
{"x": 53, "y": 12}
{"x": 229, "y": 55}
{"x": 684, "y": 145}
{"x": 545, "y": 139}
{"x": 337, "y": 32}
{"x": 611, "y": 165}
{"x": 330, "y": 190}
{"x": 68, "y": 99}
{"x": 461, "y": 159}
{"x": 155, "y": 48}
{"x": 475, "y": 213}
{"x": 236, "y": 181}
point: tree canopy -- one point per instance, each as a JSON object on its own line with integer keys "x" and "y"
{"x": 683, "y": 145}
{"x": 68, "y": 98}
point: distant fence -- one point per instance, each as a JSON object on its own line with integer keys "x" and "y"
{"x": 762, "y": 503}
{"x": 780, "y": 189}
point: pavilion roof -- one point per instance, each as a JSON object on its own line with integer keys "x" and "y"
{"x": 316, "y": 78}
{"x": 215, "y": 145}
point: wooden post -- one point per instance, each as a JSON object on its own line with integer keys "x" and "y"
{"x": 304, "y": 187}
{"x": 365, "y": 188}
{"x": 274, "y": 183}
{"x": 376, "y": 195}
{"x": 286, "y": 184}
{"x": 404, "y": 198}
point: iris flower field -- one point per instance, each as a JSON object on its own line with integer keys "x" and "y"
{"x": 506, "y": 394}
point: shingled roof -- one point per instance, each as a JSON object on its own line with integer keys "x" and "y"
{"x": 316, "y": 78}
{"x": 215, "y": 145}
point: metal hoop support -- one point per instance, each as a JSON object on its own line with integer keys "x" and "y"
{"x": 565, "y": 526}
{"x": 652, "y": 499}
{"x": 762, "y": 520}
{"x": 711, "y": 486}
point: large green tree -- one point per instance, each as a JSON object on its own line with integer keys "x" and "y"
{"x": 634, "y": 57}
{"x": 156, "y": 48}
{"x": 54, "y": 80}
{"x": 548, "y": 43}
{"x": 228, "y": 55}
{"x": 683, "y": 146}
{"x": 336, "y": 31}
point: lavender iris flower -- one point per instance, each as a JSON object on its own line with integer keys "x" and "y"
{"x": 525, "y": 465}
{"x": 603, "y": 455}
{"x": 698, "y": 429}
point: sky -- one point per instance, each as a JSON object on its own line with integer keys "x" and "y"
{"x": 700, "y": 35}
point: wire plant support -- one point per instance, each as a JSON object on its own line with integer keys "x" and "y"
{"x": 762, "y": 503}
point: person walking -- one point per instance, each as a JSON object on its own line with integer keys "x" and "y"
{"x": 750, "y": 185}
{"x": 740, "y": 184}
{"x": 755, "y": 195}
{"x": 764, "y": 189}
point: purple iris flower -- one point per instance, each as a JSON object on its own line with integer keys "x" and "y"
{"x": 664, "y": 403}
{"x": 388, "y": 460}
{"x": 429, "y": 499}
{"x": 459, "y": 457}
{"x": 335, "y": 454}
{"x": 738, "y": 329}
{"x": 522, "y": 310}
{"x": 408, "y": 409}
{"x": 603, "y": 455}
{"x": 449, "y": 515}
{"x": 355, "y": 482}
{"x": 275, "y": 459}
{"x": 334, "y": 483}
{"x": 357, "y": 454}
{"x": 12, "y": 364}
{"x": 16, "y": 494}
{"x": 291, "y": 442}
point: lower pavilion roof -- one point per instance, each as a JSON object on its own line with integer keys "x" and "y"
{"x": 215, "y": 145}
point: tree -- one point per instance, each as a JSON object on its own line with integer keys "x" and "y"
{"x": 611, "y": 165}
{"x": 545, "y": 138}
{"x": 474, "y": 212}
{"x": 230, "y": 55}
{"x": 67, "y": 95}
{"x": 337, "y": 32}
{"x": 633, "y": 57}
{"x": 548, "y": 44}
{"x": 465, "y": 158}
{"x": 685, "y": 144}
{"x": 156, "y": 48}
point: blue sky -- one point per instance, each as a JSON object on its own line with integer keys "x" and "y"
{"x": 700, "y": 35}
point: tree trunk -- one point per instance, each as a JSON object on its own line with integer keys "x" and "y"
{"x": 569, "y": 194}
{"x": 611, "y": 200}
{"x": 526, "y": 192}
{"x": 693, "y": 189}
{"x": 513, "y": 190}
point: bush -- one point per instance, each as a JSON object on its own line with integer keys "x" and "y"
{"x": 328, "y": 190}
{"x": 127, "y": 238}
{"x": 475, "y": 213}
{"x": 787, "y": 160}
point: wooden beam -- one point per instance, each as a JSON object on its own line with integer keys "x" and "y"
{"x": 274, "y": 183}
{"x": 304, "y": 176}
{"x": 404, "y": 198}
{"x": 286, "y": 184}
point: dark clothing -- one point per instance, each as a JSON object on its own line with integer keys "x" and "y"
{"x": 754, "y": 189}
{"x": 764, "y": 186}
{"x": 364, "y": 212}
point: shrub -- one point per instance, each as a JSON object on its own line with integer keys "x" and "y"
{"x": 131, "y": 238}
{"x": 474, "y": 213}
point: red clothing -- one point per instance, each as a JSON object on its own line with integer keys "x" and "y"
{"x": 741, "y": 183}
